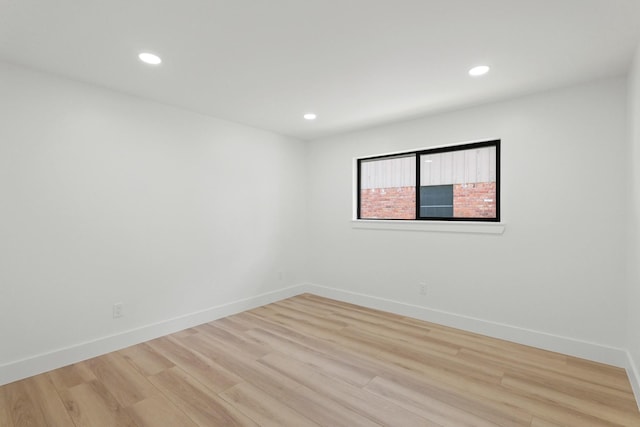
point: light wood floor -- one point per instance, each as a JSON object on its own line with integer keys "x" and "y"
{"x": 310, "y": 361}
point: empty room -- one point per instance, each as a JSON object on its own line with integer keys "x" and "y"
{"x": 319, "y": 213}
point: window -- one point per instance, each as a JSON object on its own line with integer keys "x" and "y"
{"x": 455, "y": 183}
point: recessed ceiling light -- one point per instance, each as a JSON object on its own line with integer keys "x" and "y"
{"x": 310, "y": 116}
{"x": 479, "y": 70}
{"x": 149, "y": 58}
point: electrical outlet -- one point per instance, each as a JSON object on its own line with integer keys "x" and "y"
{"x": 423, "y": 288}
{"x": 118, "y": 310}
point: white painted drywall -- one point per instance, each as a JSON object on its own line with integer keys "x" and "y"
{"x": 559, "y": 266}
{"x": 633, "y": 163}
{"x": 107, "y": 198}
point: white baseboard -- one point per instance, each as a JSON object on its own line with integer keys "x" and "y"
{"x": 27, "y": 367}
{"x": 569, "y": 346}
{"x": 634, "y": 377}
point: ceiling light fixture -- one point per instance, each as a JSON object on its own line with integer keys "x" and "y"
{"x": 310, "y": 116}
{"x": 479, "y": 70}
{"x": 150, "y": 58}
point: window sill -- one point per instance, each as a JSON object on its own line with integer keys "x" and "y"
{"x": 431, "y": 226}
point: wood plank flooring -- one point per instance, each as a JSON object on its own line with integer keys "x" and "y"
{"x": 311, "y": 361}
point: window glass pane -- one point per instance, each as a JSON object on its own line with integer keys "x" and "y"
{"x": 388, "y": 188}
{"x": 436, "y": 201}
{"x": 470, "y": 176}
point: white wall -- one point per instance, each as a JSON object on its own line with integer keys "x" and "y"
{"x": 106, "y": 198}
{"x": 558, "y": 269}
{"x": 633, "y": 325}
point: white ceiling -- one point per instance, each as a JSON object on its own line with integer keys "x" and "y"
{"x": 355, "y": 63}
